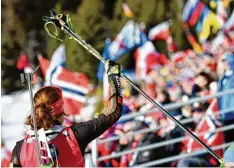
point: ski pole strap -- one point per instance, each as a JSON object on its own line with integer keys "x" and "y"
{"x": 54, "y": 21}
{"x": 55, "y": 35}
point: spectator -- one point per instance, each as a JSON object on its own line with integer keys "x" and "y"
{"x": 163, "y": 97}
{"x": 200, "y": 87}
{"x": 225, "y": 83}
{"x": 143, "y": 140}
{"x": 199, "y": 110}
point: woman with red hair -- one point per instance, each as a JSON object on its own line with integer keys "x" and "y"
{"x": 65, "y": 146}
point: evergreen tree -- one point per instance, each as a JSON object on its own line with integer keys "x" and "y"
{"x": 93, "y": 20}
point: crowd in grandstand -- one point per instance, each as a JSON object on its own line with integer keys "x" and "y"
{"x": 191, "y": 76}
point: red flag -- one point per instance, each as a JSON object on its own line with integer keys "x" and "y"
{"x": 44, "y": 64}
{"x": 171, "y": 47}
{"x": 147, "y": 58}
{"x": 160, "y": 31}
{"x": 195, "y": 15}
{"x": 75, "y": 86}
{"x": 23, "y": 61}
{"x": 206, "y": 126}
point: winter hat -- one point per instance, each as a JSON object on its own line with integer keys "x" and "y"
{"x": 229, "y": 154}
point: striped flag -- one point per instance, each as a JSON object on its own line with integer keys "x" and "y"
{"x": 229, "y": 24}
{"x": 58, "y": 59}
{"x": 192, "y": 11}
{"x": 125, "y": 41}
{"x": 207, "y": 125}
{"x": 75, "y": 86}
{"x": 162, "y": 32}
{"x": 147, "y": 59}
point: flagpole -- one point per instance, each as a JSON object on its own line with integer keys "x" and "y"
{"x": 64, "y": 26}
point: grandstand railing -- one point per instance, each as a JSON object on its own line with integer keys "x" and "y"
{"x": 160, "y": 144}
{"x": 177, "y": 104}
{"x": 95, "y": 157}
{"x": 183, "y": 155}
{"x": 146, "y": 130}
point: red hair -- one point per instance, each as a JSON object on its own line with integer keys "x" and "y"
{"x": 44, "y": 102}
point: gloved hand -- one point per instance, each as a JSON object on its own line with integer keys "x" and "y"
{"x": 112, "y": 68}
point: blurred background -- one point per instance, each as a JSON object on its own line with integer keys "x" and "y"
{"x": 179, "y": 52}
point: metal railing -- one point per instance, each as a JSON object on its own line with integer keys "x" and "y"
{"x": 160, "y": 144}
{"x": 171, "y": 141}
{"x": 183, "y": 155}
{"x": 147, "y": 130}
{"x": 177, "y": 105}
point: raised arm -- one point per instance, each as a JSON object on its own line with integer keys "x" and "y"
{"x": 88, "y": 131}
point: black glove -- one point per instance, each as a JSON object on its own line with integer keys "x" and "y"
{"x": 112, "y": 68}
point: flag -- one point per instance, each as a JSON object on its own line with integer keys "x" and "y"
{"x": 101, "y": 68}
{"x": 171, "y": 47}
{"x": 147, "y": 59}
{"x": 229, "y": 24}
{"x": 192, "y": 11}
{"x": 221, "y": 10}
{"x": 191, "y": 39}
{"x": 44, "y": 64}
{"x": 162, "y": 32}
{"x": 58, "y": 59}
{"x": 127, "y": 10}
{"x": 23, "y": 63}
{"x": 208, "y": 22}
{"x": 75, "y": 86}
{"x": 126, "y": 40}
{"x": 204, "y": 13}
{"x": 188, "y": 8}
{"x": 207, "y": 125}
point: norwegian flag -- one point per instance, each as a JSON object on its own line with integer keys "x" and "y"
{"x": 5, "y": 157}
{"x": 147, "y": 59}
{"x": 207, "y": 125}
{"x": 75, "y": 86}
